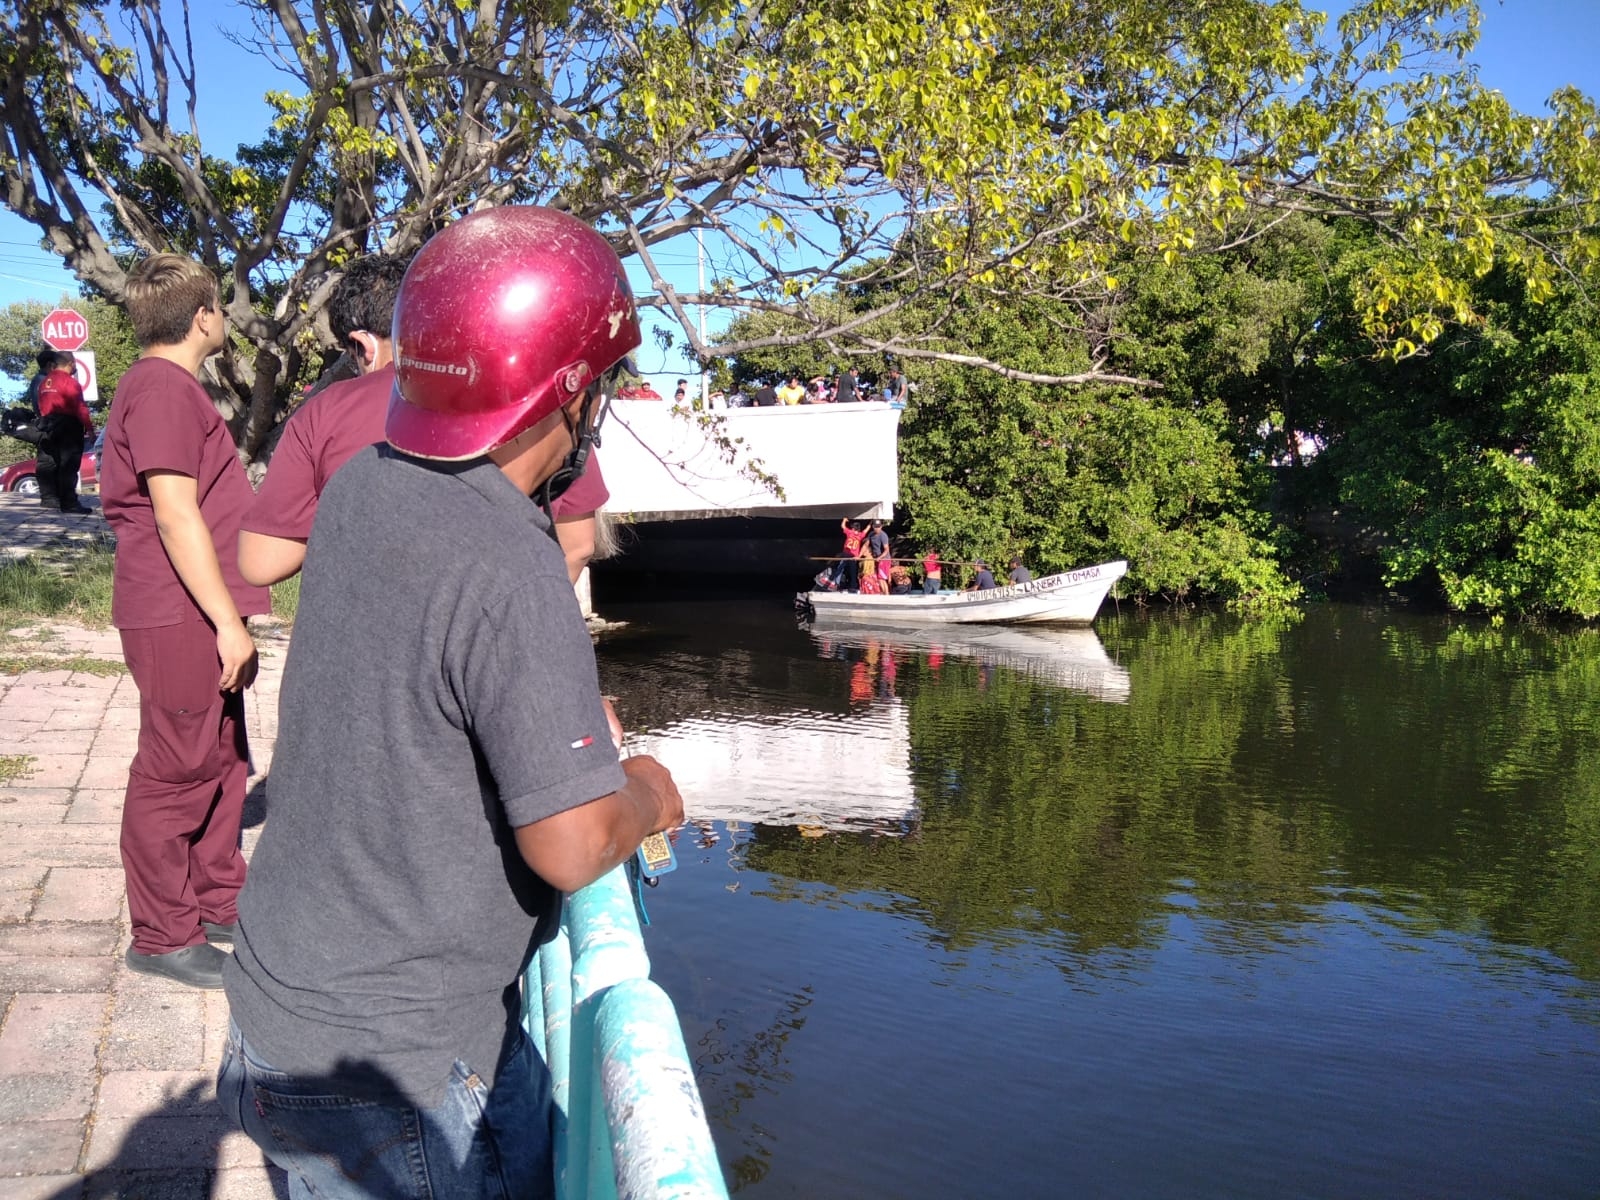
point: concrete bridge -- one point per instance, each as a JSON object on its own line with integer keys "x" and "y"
{"x": 687, "y": 508}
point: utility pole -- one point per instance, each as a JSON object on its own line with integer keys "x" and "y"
{"x": 705, "y": 376}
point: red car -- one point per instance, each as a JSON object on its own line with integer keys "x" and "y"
{"x": 23, "y": 476}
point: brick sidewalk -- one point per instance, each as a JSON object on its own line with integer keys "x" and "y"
{"x": 106, "y": 1077}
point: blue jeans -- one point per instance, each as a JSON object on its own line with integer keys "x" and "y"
{"x": 930, "y": 585}
{"x": 477, "y": 1143}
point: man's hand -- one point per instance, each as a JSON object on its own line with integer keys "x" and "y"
{"x": 237, "y": 650}
{"x": 649, "y": 773}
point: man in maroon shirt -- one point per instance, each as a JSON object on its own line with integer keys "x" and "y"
{"x": 174, "y": 493}
{"x": 64, "y": 425}
{"x": 345, "y": 417}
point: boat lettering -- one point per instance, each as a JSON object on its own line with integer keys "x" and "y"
{"x": 1048, "y": 584}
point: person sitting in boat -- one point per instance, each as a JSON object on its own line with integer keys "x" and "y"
{"x": 899, "y": 580}
{"x": 983, "y": 581}
{"x": 1018, "y": 573}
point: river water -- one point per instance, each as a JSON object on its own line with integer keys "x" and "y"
{"x": 1188, "y": 905}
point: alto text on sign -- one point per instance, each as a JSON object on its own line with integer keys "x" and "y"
{"x": 64, "y": 329}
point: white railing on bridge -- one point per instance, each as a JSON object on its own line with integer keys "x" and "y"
{"x": 829, "y": 459}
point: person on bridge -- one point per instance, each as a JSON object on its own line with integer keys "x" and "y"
{"x": 64, "y": 426}
{"x": 446, "y": 766}
{"x": 346, "y": 417}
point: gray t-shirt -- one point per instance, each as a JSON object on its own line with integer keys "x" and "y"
{"x": 440, "y": 690}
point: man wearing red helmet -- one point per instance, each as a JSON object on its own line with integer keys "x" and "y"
{"x": 344, "y": 417}
{"x": 445, "y": 765}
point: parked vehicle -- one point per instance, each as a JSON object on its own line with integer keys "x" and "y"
{"x": 23, "y": 476}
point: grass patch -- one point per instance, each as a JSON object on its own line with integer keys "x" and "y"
{"x": 16, "y": 664}
{"x": 70, "y": 582}
{"x": 14, "y": 766}
{"x": 286, "y": 598}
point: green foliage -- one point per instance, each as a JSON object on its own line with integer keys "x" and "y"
{"x": 959, "y": 153}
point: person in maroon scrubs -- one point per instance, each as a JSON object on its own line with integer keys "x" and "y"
{"x": 174, "y": 493}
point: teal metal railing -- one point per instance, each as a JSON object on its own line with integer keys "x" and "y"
{"x": 629, "y": 1124}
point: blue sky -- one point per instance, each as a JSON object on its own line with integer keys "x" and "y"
{"x": 1528, "y": 49}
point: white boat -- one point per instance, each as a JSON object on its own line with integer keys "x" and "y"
{"x": 1071, "y": 598}
{"x": 1073, "y": 659}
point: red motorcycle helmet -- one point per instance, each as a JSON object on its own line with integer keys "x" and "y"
{"x": 501, "y": 319}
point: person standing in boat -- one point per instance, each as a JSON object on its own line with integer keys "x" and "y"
{"x": 878, "y": 543}
{"x": 932, "y": 576}
{"x": 1018, "y": 572}
{"x": 983, "y": 581}
{"x": 849, "y": 566}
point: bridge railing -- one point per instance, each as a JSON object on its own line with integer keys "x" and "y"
{"x": 630, "y": 1124}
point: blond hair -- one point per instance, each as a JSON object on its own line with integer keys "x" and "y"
{"x": 163, "y": 294}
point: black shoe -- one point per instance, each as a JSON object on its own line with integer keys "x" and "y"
{"x": 77, "y": 510}
{"x": 219, "y": 935}
{"x": 198, "y": 966}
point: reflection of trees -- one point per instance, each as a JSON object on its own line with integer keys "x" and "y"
{"x": 1260, "y": 769}
{"x": 732, "y": 1069}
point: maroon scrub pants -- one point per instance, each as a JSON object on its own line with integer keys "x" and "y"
{"x": 185, "y": 799}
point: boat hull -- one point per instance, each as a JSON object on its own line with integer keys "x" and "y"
{"x": 1071, "y": 598}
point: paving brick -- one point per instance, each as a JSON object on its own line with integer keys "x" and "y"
{"x": 43, "y": 1187}
{"x": 106, "y": 771}
{"x": 50, "y": 973}
{"x": 249, "y": 1183}
{"x": 81, "y": 894}
{"x": 40, "y": 1147}
{"x": 67, "y": 939}
{"x": 156, "y": 1143}
{"x": 64, "y": 845}
{"x": 51, "y": 1033}
{"x": 117, "y": 1184}
{"x": 156, "y": 1025}
{"x": 22, "y": 876}
{"x": 96, "y": 806}
{"x": 24, "y": 812}
{"x": 15, "y": 903}
{"x": 52, "y": 770}
{"x": 60, "y": 1097}
{"x": 128, "y": 1094}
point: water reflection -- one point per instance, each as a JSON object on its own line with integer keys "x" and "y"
{"x": 817, "y": 771}
{"x": 1067, "y": 658}
{"x": 1313, "y": 907}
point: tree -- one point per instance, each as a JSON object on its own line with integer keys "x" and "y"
{"x": 1011, "y": 151}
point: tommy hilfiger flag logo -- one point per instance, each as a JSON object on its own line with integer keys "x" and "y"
{"x": 582, "y": 742}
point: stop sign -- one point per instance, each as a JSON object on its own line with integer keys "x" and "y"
{"x": 64, "y": 329}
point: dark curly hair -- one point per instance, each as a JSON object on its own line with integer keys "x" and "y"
{"x": 364, "y": 298}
